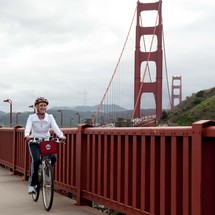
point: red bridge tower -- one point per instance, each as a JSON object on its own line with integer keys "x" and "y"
{"x": 140, "y": 86}
{"x": 176, "y": 90}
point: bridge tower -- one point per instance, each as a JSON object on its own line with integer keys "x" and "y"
{"x": 141, "y": 86}
{"x": 176, "y": 90}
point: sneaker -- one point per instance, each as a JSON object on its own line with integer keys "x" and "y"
{"x": 31, "y": 190}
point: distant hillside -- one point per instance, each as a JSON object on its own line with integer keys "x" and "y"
{"x": 70, "y": 116}
{"x": 105, "y": 108}
{"x": 199, "y": 106}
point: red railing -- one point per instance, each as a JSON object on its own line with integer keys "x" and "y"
{"x": 153, "y": 170}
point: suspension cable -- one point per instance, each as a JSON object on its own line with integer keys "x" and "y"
{"x": 99, "y": 107}
{"x": 165, "y": 64}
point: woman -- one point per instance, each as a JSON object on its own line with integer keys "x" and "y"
{"x": 38, "y": 126}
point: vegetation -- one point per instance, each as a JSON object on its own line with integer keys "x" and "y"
{"x": 199, "y": 106}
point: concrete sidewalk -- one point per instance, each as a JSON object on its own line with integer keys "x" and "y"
{"x": 14, "y": 199}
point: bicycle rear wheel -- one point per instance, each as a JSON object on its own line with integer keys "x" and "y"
{"x": 48, "y": 185}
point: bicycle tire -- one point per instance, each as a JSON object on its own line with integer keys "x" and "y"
{"x": 36, "y": 195}
{"x": 47, "y": 186}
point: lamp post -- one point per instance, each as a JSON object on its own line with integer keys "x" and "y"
{"x": 17, "y": 118}
{"x": 32, "y": 106}
{"x": 61, "y": 118}
{"x": 93, "y": 120}
{"x": 78, "y": 114}
{"x": 102, "y": 120}
{"x": 10, "y": 102}
{"x": 71, "y": 122}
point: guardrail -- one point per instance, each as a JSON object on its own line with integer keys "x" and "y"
{"x": 153, "y": 170}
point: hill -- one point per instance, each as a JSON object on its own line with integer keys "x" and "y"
{"x": 199, "y": 106}
{"x": 106, "y": 108}
{"x": 70, "y": 117}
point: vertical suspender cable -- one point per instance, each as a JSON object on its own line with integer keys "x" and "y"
{"x": 167, "y": 80}
{"x": 99, "y": 107}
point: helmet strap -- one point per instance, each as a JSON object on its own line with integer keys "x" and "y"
{"x": 41, "y": 114}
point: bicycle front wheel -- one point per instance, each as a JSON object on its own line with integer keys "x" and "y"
{"x": 48, "y": 185}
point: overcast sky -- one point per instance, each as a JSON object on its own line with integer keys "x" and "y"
{"x": 66, "y": 50}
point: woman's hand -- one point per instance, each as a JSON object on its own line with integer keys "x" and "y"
{"x": 27, "y": 138}
{"x": 63, "y": 139}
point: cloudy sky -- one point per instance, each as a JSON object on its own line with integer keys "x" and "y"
{"x": 66, "y": 50}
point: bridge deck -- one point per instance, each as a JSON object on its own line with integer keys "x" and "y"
{"x": 15, "y": 199}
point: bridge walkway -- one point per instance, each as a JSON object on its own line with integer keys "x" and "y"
{"x": 14, "y": 199}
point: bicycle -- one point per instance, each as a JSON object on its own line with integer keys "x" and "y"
{"x": 45, "y": 172}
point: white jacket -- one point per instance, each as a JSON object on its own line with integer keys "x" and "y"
{"x": 40, "y": 127}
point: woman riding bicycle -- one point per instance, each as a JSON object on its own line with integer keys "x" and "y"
{"x": 38, "y": 126}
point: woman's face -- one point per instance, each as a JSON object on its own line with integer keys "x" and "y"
{"x": 42, "y": 107}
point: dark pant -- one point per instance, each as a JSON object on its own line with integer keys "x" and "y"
{"x": 34, "y": 150}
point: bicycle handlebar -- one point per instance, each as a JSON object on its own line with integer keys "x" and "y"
{"x": 38, "y": 139}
